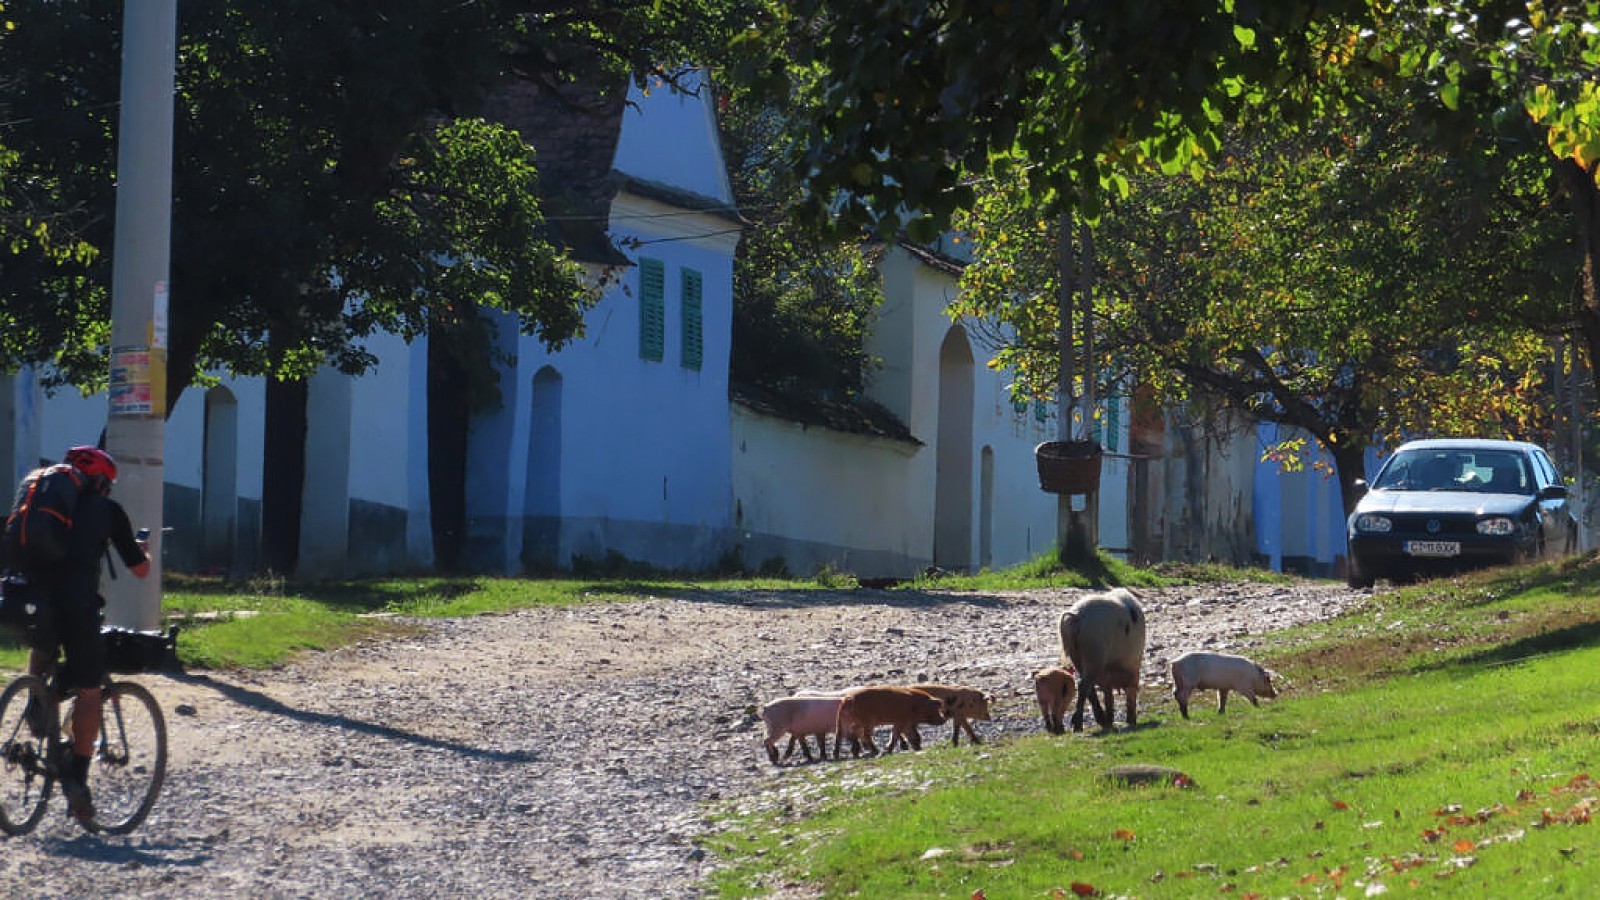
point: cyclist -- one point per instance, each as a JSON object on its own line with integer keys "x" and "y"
{"x": 73, "y": 622}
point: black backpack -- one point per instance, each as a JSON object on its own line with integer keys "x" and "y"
{"x": 41, "y": 517}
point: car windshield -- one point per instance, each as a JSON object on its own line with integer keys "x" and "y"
{"x": 1444, "y": 469}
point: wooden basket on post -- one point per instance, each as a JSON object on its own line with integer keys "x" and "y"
{"x": 1069, "y": 467}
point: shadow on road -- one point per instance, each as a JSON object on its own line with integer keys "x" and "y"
{"x": 181, "y": 853}
{"x": 261, "y": 702}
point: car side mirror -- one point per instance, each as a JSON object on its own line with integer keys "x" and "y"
{"x": 1553, "y": 492}
{"x": 1359, "y": 487}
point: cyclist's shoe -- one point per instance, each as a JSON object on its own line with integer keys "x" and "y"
{"x": 79, "y": 804}
{"x": 73, "y": 772}
{"x": 37, "y": 715}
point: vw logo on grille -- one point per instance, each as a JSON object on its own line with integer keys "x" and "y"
{"x": 1433, "y": 526}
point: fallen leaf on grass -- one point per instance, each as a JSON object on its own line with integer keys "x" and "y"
{"x": 1340, "y": 804}
{"x": 1579, "y": 814}
{"x": 978, "y": 895}
{"x": 1122, "y": 834}
{"x": 1410, "y": 861}
{"x": 1432, "y": 835}
{"x": 1463, "y": 846}
{"x": 1084, "y": 890}
{"x": 1579, "y": 782}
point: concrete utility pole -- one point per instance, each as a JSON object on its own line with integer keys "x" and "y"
{"x": 141, "y": 259}
{"x": 1071, "y": 509}
{"x": 1085, "y": 283}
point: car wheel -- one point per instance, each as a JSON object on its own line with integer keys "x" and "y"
{"x": 1537, "y": 553}
{"x": 1358, "y": 576}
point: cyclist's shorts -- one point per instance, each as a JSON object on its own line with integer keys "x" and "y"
{"x": 72, "y": 623}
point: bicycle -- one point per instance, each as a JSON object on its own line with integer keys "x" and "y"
{"x": 129, "y": 763}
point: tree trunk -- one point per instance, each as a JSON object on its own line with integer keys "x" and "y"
{"x": 1579, "y": 185}
{"x": 283, "y": 474}
{"x": 1350, "y": 458}
{"x": 448, "y": 420}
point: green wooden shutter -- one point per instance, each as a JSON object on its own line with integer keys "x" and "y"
{"x": 652, "y": 309}
{"x": 1113, "y": 422}
{"x": 693, "y": 330}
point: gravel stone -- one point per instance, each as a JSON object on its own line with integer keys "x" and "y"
{"x": 574, "y": 752}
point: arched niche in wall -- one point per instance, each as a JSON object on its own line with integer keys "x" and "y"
{"x": 541, "y": 530}
{"x": 219, "y": 470}
{"x": 952, "y": 508}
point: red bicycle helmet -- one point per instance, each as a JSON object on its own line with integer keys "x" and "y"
{"x": 92, "y": 461}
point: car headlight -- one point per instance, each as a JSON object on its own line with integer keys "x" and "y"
{"x": 1499, "y": 525}
{"x": 1370, "y": 522}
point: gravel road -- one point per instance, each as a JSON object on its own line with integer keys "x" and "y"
{"x": 565, "y": 753}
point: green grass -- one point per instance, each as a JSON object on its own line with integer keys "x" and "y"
{"x": 265, "y": 621}
{"x": 1439, "y": 741}
{"x": 1104, "y": 570}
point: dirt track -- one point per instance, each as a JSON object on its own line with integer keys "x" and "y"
{"x": 568, "y": 752}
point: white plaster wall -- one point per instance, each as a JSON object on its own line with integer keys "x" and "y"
{"x": 644, "y": 444}
{"x": 1300, "y": 514}
{"x": 184, "y": 436}
{"x": 815, "y": 484}
{"x": 671, "y": 138}
{"x": 1116, "y": 478}
{"x": 325, "y": 493}
{"x": 71, "y": 419}
{"x": 1024, "y": 517}
{"x": 907, "y": 338}
{"x": 419, "y": 527}
{"x": 1023, "y": 520}
{"x": 893, "y": 335}
{"x": 380, "y": 418}
{"x": 22, "y": 424}
{"x": 251, "y": 396}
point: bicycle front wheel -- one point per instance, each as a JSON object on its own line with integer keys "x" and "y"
{"x": 28, "y": 736}
{"x": 130, "y": 760}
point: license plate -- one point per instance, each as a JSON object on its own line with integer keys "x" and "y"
{"x": 1433, "y": 548}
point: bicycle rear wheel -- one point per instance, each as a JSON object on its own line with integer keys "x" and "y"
{"x": 28, "y": 738}
{"x": 130, "y": 760}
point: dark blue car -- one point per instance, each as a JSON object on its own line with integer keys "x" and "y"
{"x": 1446, "y": 505}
